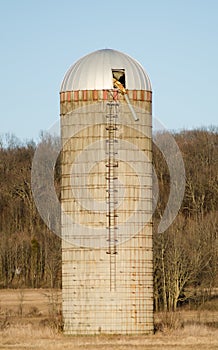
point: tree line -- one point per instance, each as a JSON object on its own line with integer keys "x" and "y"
{"x": 185, "y": 255}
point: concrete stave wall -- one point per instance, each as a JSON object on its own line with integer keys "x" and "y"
{"x": 89, "y": 305}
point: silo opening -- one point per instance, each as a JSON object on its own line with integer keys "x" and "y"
{"x": 119, "y": 74}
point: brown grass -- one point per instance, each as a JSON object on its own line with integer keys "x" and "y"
{"x": 29, "y": 337}
{"x": 34, "y": 329}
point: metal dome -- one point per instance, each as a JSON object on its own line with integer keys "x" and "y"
{"x": 94, "y": 72}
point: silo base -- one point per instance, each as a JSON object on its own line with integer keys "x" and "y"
{"x": 89, "y": 304}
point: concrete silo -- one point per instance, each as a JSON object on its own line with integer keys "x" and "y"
{"x": 106, "y": 197}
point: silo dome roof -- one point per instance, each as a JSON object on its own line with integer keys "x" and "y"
{"x": 94, "y": 72}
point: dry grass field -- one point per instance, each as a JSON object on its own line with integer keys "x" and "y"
{"x": 29, "y": 319}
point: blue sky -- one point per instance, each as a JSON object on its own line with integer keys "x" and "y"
{"x": 176, "y": 41}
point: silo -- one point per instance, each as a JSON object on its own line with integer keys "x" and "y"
{"x": 106, "y": 196}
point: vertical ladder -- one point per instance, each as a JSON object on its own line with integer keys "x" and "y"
{"x": 111, "y": 177}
